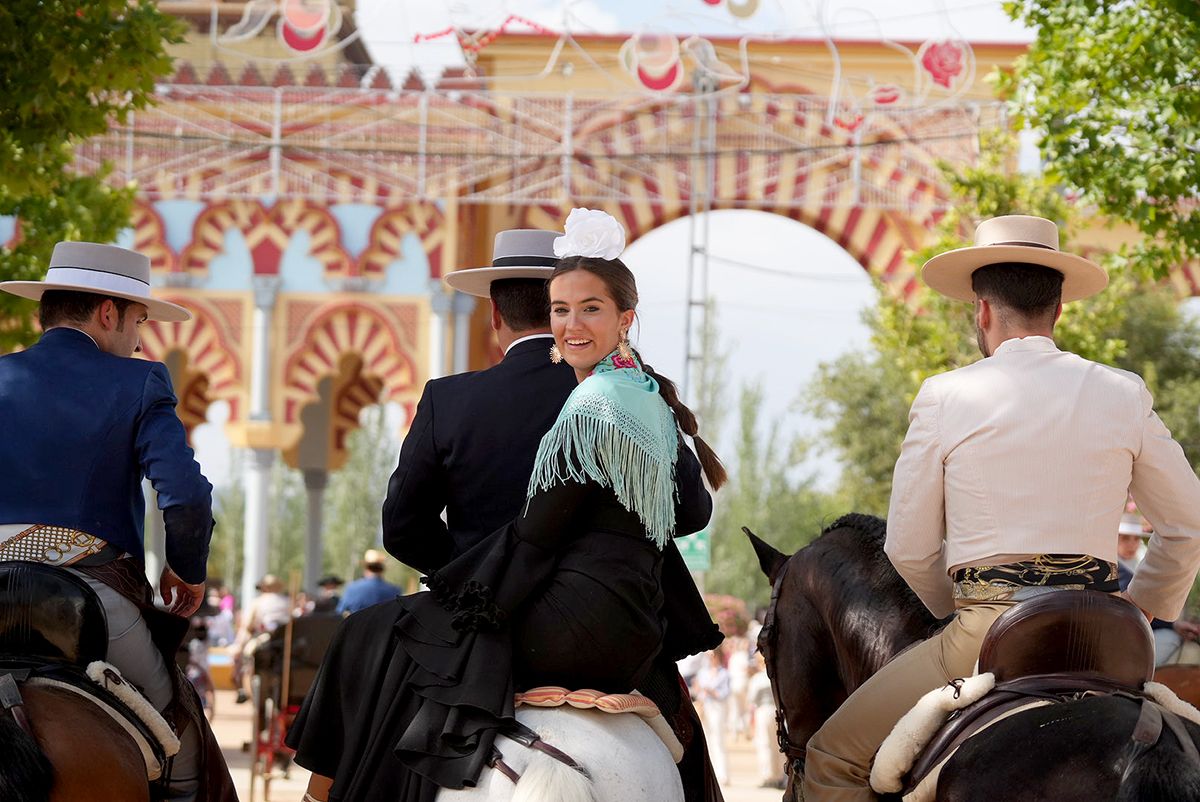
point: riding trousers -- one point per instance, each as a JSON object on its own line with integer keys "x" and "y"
{"x": 132, "y": 651}
{"x": 838, "y": 759}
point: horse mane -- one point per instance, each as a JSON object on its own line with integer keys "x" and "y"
{"x": 871, "y": 527}
{"x": 26, "y": 775}
{"x": 868, "y": 606}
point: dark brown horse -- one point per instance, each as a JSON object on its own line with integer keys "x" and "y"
{"x": 839, "y": 611}
{"x": 77, "y": 754}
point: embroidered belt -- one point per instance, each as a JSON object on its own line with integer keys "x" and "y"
{"x": 1042, "y": 574}
{"x": 56, "y": 545}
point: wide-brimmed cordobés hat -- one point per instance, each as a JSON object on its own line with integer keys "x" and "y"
{"x": 1019, "y": 239}
{"x": 103, "y": 270}
{"x": 517, "y": 253}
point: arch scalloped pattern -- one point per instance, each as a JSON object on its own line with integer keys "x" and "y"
{"x": 214, "y": 371}
{"x": 267, "y": 233}
{"x": 423, "y": 219}
{"x": 339, "y": 328}
{"x": 150, "y": 238}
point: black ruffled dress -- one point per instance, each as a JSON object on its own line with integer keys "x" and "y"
{"x": 412, "y": 692}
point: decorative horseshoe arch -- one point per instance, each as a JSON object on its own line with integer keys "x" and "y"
{"x": 339, "y": 329}
{"x": 267, "y": 233}
{"x": 211, "y": 368}
{"x": 423, "y": 219}
{"x": 878, "y": 239}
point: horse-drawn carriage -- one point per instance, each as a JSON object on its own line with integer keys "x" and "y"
{"x": 285, "y": 667}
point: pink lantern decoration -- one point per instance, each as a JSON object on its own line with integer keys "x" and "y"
{"x": 943, "y": 61}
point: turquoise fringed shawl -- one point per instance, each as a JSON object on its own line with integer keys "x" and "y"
{"x": 616, "y": 430}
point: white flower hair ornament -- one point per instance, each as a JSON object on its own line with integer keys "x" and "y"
{"x": 591, "y": 233}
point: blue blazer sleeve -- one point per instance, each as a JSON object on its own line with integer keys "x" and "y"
{"x": 184, "y": 495}
{"x": 413, "y": 530}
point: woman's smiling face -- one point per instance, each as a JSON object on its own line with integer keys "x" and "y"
{"x": 585, "y": 319}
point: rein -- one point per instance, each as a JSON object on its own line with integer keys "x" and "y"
{"x": 531, "y": 740}
{"x": 766, "y": 645}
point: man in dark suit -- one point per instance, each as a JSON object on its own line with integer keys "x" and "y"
{"x": 83, "y": 424}
{"x": 470, "y": 451}
{"x": 470, "y": 447}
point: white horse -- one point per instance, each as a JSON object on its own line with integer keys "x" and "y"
{"x": 624, "y": 760}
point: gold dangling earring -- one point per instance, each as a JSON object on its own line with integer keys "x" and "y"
{"x": 555, "y": 354}
{"x": 623, "y": 346}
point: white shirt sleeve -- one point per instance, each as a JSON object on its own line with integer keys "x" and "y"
{"x": 916, "y": 526}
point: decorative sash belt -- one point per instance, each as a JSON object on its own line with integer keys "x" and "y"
{"x": 54, "y": 545}
{"x": 1042, "y": 574}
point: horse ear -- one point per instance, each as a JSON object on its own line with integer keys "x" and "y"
{"x": 770, "y": 560}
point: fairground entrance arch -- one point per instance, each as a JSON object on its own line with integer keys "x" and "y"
{"x": 306, "y": 216}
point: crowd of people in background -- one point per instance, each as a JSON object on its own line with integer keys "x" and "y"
{"x": 731, "y": 687}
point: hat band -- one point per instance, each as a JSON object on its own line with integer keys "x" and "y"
{"x": 525, "y": 261}
{"x": 89, "y": 280}
{"x": 1023, "y": 243}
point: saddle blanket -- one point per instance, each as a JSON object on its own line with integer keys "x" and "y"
{"x": 552, "y": 696}
{"x": 109, "y": 678}
{"x": 913, "y": 733}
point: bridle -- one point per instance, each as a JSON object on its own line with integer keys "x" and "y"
{"x": 766, "y": 645}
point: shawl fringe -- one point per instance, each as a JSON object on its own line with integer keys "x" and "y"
{"x": 594, "y": 439}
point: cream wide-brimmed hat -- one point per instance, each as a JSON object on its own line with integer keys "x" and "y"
{"x": 1016, "y": 238}
{"x": 517, "y": 253}
{"x": 103, "y": 270}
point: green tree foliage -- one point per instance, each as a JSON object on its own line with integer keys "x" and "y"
{"x": 766, "y": 494}
{"x": 225, "y": 555}
{"x": 354, "y": 500}
{"x": 287, "y": 522}
{"x": 67, "y": 69}
{"x": 1134, "y": 324}
{"x": 1112, "y": 88}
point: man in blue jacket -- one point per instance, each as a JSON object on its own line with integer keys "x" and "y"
{"x": 83, "y": 424}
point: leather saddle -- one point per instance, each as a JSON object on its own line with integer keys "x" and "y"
{"x": 49, "y": 616}
{"x": 52, "y": 626}
{"x": 1053, "y": 647}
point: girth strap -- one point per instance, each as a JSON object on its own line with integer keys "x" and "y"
{"x": 1148, "y": 728}
{"x": 10, "y": 700}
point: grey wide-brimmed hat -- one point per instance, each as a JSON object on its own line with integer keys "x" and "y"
{"x": 1017, "y": 238}
{"x": 517, "y": 253}
{"x": 100, "y": 269}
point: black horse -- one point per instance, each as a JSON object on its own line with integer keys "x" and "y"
{"x": 839, "y": 611}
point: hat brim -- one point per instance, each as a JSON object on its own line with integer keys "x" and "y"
{"x": 165, "y": 311}
{"x": 477, "y": 281}
{"x": 950, "y": 273}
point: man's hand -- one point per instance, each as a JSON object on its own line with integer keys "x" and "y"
{"x": 187, "y": 598}
{"x": 1125, "y": 596}
{"x": 1187, "y": 630}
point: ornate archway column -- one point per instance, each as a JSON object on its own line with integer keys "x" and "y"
{"x": 258, "y": 469}
{"x": 315, "y": 482}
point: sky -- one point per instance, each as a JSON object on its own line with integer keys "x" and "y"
{"x": 787, "y": 297}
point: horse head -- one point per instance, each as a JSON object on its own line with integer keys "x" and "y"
{"x": 770, "y": 559}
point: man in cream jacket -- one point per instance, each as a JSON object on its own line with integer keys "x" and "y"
{"x": 1016, "y": 466}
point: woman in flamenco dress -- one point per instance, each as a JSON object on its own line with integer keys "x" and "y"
{"x": 412, "y": 693}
